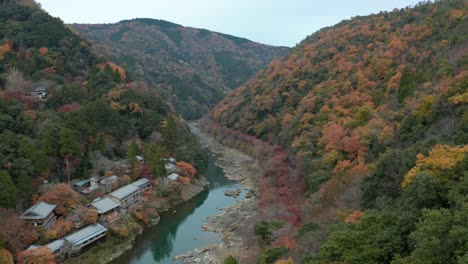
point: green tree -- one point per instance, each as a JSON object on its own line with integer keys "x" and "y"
{"x": 230, "y": 260}
{"x": 153, "y": 155}
{"x": 25, "y": 186}
{"x": 170, "y": 133}
{"x": 132, "y": 152}
{"x": 270, "y": 255}
{"x": 8, "y": 192}
{"x": 262, "y": 229}
{"x": 68, "y": 147}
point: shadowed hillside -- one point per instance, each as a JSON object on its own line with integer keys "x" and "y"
{"x": 192, "y": 68}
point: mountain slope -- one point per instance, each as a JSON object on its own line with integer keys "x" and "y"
{"x": 91, "y": 113}
{"x": 192, "y": 68}
{"x": 373, "y": 98}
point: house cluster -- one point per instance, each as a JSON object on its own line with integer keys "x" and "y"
{"x": 108, "y": 208}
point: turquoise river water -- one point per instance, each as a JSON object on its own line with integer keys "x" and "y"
{"x": 181, "y": 231}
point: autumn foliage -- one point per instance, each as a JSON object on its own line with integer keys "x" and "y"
{"x": 5, "y": 256}
{"x": 63, "y": 196}
{"x": 15, "y": 234}
{"x": 354, "y": 217}
{"x": 440, "y": 163}
{"x": 41, "y": 255}
{"x": 187, "y": 168}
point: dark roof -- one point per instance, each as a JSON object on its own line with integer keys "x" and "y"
{"x": 38, "y": 211}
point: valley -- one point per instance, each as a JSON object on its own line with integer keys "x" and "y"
{"x": 145, "y": 141}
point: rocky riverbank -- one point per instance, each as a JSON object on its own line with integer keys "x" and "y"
{"x": 234, "y": 220}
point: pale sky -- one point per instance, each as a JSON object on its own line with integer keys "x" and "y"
{"x": 274, "y": 22}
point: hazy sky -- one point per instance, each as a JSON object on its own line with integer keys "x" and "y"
{"x": 275, "y": 22}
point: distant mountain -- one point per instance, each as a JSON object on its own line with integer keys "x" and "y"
{"x": 382, "y": 100}
{"x": 192, "y": 68}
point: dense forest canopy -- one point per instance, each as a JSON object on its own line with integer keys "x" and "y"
{"x": 191, "y": 68}
{"x": 92, "y": 110}
{"x": 375, "y": 108}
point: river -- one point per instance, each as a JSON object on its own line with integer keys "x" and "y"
{"x": 181, "y": 231}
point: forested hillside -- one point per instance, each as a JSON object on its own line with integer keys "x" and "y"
{"x": 375, "y": 108}
{"x": 93, "y": 112}
{"x": 191, "y": 68}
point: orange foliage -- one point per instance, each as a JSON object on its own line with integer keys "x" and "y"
{"x": 43, "y": 51}
{"x": 63, "y": 196}
{"x": 90, "y": 216}
{"x": 4, "y": 50}
{"x": 354, "y": 218}
{"x": 187, "y": 168}
{"x": 40, "y": 255}
{"x": 185, "y": 180}
{"x": 113, "y": 66}
{"x": 62, "y": 228}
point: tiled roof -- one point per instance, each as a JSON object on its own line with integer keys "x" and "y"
{"x": 125, "y": 191}
{"x": 105, "y": 205}
{"x": 38, "y": 211}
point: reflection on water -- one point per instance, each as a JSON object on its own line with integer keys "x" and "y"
{"x": 180, "y": 231}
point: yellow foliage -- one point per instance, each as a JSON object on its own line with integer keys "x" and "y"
{"x": 285, "y": 261}
{"x": 331, "y": 157}
{"x": 459, "y": 98}
{"x": 441, "y": 161}
{"x": 425, "y": 107}
{"x": 4, "y": 50}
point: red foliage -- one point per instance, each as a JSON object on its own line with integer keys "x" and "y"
{"x": 27, "y": 101}
{"x": 41, "y": 255}
{"x": 144, "y": 171}
{"x": 17, "y": 234}
{"x": 62, "y": 228}
{"x": 73, "y": 107}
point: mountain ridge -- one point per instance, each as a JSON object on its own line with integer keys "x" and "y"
{"x": 190, "y": 67}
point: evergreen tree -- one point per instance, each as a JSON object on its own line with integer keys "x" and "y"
{"x": 170, "y": 133}
{"x": 132, "y": 152}
{"x": 154, "y": 155}
{"x": 25, "y": 186}
{"x": 8, "y": 192}
{"x": 68, "y": 147}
